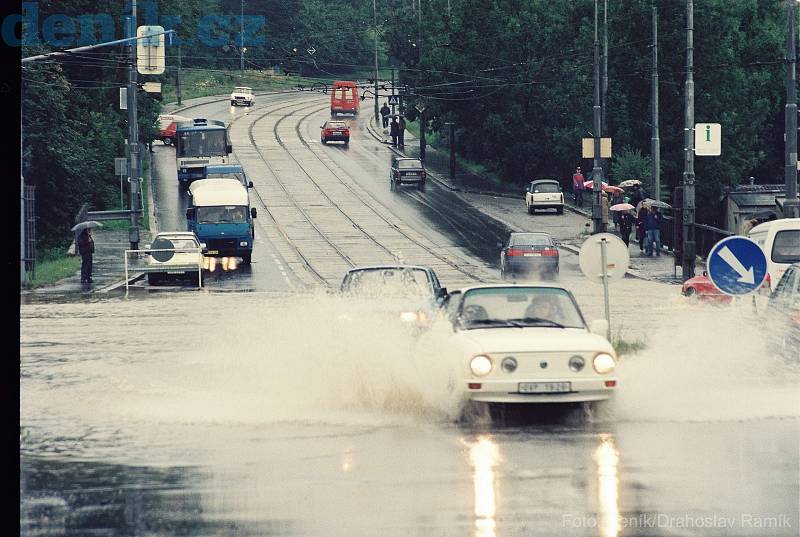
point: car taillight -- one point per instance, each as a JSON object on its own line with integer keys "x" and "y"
{"x": 347, "y": 132}
{"x": 397, "y": 173}
{"x": 327, "y": 132}
{"x": 424, "y": 174}
{"x": 550, "y": 252}
{"x": 513, "y": 253}
{"x": 766, "y": 286}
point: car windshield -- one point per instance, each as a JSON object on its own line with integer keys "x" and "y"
{"x": 242, "y": 90}
{"x": 336, "y": 125}
{"x": 202, "y": 143}
{"x": 413, "y": 163}
{"x": 388, "y": 282}
{"x": 530, "y": 240}
{"x": 786, "y": 246}
{"x": 545, "y": 188}
{"x": 519, "y": 307}
{"x": 180, "y": 242}
{"x": 219, "y": 214}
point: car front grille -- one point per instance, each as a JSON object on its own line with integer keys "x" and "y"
{"x": 221, "y": 244}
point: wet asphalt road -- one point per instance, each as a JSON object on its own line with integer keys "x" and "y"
{"x": 273, "y": 412}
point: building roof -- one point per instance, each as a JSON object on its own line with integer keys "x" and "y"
{"x": 208, "y": 192}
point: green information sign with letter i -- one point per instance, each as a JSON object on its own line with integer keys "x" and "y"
{"x": 707, "y": 139}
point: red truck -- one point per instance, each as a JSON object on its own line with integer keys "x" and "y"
{"x": 167, "y": 124}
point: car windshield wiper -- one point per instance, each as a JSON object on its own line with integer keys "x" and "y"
{"x": 488, "y": 323}
{"x": 528, "y": 321}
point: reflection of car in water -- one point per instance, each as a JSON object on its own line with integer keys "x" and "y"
{"x": 703, "y": 289}
{"x": 528, "y": 344}
{"x": 526, "y": 253}
{"x": 409, "y": 293}
{"x": 783, "y": 314}
{"x": 186, "y": 262}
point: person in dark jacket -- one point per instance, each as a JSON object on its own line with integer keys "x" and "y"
{"x": 385, "y": 114}
{"x": 394, "y": 131}
{"x": 615, "y": 200}
{"x": 625, "y": 226}
{"x": 85, "y": 245}
{"x": 640, "y": 234}
{"x": 401, "y": 132}
{"x": 652, "y": 226}
{"x": 636, "y": 195}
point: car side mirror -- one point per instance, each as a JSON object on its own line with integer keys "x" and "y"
{"x": 229, "y": 149}
{"x": 253, "y": 212}
{"x": 599, "y": 327}
{"x": 147, "y": 246}
{"x": 250, "y": 184}
{"x": 441, "y": 293}
{"x": 190, "y": 214}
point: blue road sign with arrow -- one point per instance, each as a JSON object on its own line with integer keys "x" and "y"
{"x": 737, "y": 265}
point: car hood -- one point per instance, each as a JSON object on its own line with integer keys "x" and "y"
{"x": 392, "y": 305}
{"x": 532, "y": 339}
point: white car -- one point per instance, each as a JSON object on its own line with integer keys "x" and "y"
{"x": 528, "y": 344}
{"x": 185, "y": 262}
{"x": 242, "y": 95}
{"x": 544, "y": 194}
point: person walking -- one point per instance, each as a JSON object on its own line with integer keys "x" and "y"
{"x": 401, "y": 128}
{"x": 394, "y": 131}
{"x": 616, "y": 199}
{"x": 625, "y": 226}
{"x": 636, "y": 195}
{"x": 640, "y": 221}
{"x": 577, "y": 186}
{"x": 604, "y": 211}
{"x": 385, "y": 114}
{"x": 652, "y": 227}
{"x": 86, "y": 249}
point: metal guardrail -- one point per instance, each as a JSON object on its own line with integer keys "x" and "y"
{"x": 162, "y": 268}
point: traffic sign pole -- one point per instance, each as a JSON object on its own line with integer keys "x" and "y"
{"x": 612, "y": 255}
{"x": 604, "y": 263}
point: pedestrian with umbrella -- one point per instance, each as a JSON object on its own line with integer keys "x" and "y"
{"x": 85, "y": 244}
{"x": 616, "y": 199}
{"x": 625, "y": 220}
{"x": 652, "y": 227}
{"x": 641, "y": 212}
{"x": 394, "y": 131}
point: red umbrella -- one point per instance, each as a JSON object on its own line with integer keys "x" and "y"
{"x": 605, "y": 186}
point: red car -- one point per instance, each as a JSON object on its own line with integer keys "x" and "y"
{"x": 168, "y": 125}
{"x": 703, "y": 289}
{"x": 335, "y": 131}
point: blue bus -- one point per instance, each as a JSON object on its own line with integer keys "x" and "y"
{"x": 200, "y": 142}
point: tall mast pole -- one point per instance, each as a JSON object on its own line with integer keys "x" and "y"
{"x": 688, "y": 249}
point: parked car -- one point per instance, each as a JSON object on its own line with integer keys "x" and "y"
{"x": 528, "y": 344}
{"x": 703, "y": 289}
{"x": 186, "y": 262}
{"x": 409, "y": 293}
{"x": 334, "y": 131}
{"x": 544, "y": 194}
{"x": 780, "y": 241}
{"x": 527, "y": 253}
{"x": 783, "y": 313}
{"x": 407, "y": 170}
{"x": 242, "y": 95}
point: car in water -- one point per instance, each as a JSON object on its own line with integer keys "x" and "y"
{"x": 522, "y": 344}
{"x": 411, "y": 294}
{"x": 527, "y": 253}
{"x": 407, "y": 171}
{"x": 783, "y": 314}
{"x": 242, "y": 95}
{"x": 544, "y": 194}
{"x": 174, "y": 255}
{"x": 704, "y": 290}
{"x": 334, "y": 131}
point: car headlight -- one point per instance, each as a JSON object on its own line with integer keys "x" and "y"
{"x": 408, "y": 316}
{"x": 183, "y": 170}
{"x": 604, "y": 363}
{"x": 576, "y": 363}
{"x": 480, "y": 365}
{"x": 509, "y": 364}
{"x": 242, "y": 243}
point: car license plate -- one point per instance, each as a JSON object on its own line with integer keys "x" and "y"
{"x": 175, "y": 272}
{"x": 545, "y": 387}
{"x": 532, "y": 254}
{"x": 212, "y": 252}
{"x": 411, "y": 174}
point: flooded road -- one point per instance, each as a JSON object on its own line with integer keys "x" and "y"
{"x": 269, "y": 414}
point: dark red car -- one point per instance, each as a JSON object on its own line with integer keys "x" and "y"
{"x": 702, "y": 288}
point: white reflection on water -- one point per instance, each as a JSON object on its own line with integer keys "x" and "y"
{"x": 607, "y": 458}
{"x": 484, "y": 456}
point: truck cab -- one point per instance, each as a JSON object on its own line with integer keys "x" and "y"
{"x": 220, "y": 215}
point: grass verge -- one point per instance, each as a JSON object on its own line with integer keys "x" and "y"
{"x": 627, "y": 347}
{"x": 53, "y": 264}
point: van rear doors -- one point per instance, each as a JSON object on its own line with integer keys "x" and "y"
{"x": 344, "y": 98}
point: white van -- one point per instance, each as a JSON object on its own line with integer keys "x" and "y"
{"x": 780, "y": 240}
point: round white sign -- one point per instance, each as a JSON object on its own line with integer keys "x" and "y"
{"x": 617, "y": 257}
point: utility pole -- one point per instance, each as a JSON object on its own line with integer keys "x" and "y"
{"x": 597, "y": 171}
{"x": 655, "y": 142}
{"x": 422, "y": 142}
{"x": 178, "y": 82}
{"x": 419, "y": 32}
{"x": 393, "y": 93}
{"x": 22, "y": 274}
{"x": 687, "y": 266}
{"x": 605, "y": 68}
{"x": 241, "y": 38}
{"x": 791, "y": 206}
{"x": 133, "y": 135}
{"x": 375, "y": 23}
{"x": 452, "y": 127}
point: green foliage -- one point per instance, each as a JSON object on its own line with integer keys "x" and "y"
{"x": 630, "y": 163}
